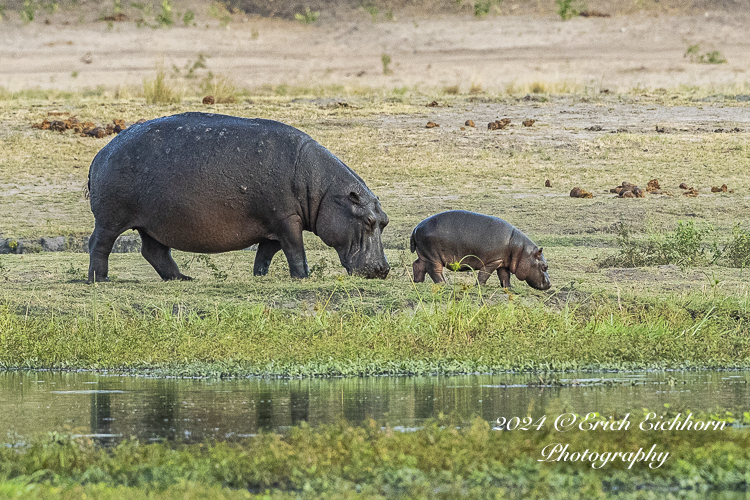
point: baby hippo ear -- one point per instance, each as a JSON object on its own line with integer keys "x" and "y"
{"x": 540, "y": 251}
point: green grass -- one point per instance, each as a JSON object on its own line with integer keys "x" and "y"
{"x": 370, "y": 461}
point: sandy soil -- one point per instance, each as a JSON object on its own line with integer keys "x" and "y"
{"x": 620, "y": 52}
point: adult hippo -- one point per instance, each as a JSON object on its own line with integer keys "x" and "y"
{"x": 465, "y": 241}
{"x": 213, "y": 183}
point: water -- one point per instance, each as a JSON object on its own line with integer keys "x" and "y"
{"x": 112, "y": 408}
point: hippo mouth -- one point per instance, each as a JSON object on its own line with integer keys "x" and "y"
{"x": 369, "y": 272}
{"x": 546, "y": 284}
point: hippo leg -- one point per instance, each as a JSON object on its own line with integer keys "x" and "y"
{"x": 100, "y": 246}
{"x": 266, "y": 250}
{"x": 419, "y": 270}
{"x": 160, "y": 258}
{"x": 292, "y": 245}
{"x": 484, "y": 273}
{"x": 504, "y": 274}
{"x": 436, "y": 272}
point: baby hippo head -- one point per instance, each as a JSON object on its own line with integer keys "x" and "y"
{"x": 532, "y": 268}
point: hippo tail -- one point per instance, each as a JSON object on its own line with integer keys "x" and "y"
{"x": 413, "y": 243}
{"x": 87, "y": 188}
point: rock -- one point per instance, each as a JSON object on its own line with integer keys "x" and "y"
{"x": 56, "y": 244}
{"x": 684, "y": 186}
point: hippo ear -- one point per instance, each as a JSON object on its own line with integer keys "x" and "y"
{"x": 540, "y": 250}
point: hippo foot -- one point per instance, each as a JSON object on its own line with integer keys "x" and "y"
{"x": 179, "y": 277}
{"x": 98, "y": 280}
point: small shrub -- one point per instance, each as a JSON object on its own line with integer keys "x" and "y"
{"x": 737, "y": 252}
{"x": 188, "y": 19}
{"x": 372, "y": 10}
{"x": 164, "y": 19}
{"x": 476, "y": 88}
{"x": 28, "y": 11}
{"x": 685, "y": 246}
{"x": 217, "y": 273}
{"x": 158, "y": 91}
{"x": 483, "y": 7}
{"x": 219, "y": 11}
{"x": 451, "y": 90}
{"x": 308, "y": 17}
{"x": 713, "y": 57}
{"x": 568, "y": 9}
{"x": 386, "y": 60}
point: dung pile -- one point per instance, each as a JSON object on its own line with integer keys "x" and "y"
{"x": 498, "y": 124}
{"x": 630, "y": 190}
{"x": 722, "y": 189}
{"x": 85, "y": 129}
{"x": 577, "y": 192}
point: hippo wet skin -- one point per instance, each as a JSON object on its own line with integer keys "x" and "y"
{"x": 213, "y": 183}
{"x": 464, "y": 241}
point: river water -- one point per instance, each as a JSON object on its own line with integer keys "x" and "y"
{"x": 112, "y": 407}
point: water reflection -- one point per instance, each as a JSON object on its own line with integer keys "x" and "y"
{"x": 117, "y": 407}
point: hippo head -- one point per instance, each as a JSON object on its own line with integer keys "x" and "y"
{"x": 532, "y": 268}
{"x": 352, "y": 224}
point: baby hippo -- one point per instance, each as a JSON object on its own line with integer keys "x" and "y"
{"x": 465, "y": 241}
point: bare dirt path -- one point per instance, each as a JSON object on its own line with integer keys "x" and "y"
{"x": 616, "y": 53}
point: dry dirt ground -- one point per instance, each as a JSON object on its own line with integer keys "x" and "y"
{"x": 646, "y": 49}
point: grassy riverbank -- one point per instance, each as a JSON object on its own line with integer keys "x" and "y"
{"x": 359, "y": 327}
{"x": 369, "y": 461}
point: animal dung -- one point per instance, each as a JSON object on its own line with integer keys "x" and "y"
{"x": 469, "y": 123}
{"x": 547, "y": 183}
{"x": 684, "y": 186}
{"x": 722, "y": 189}
{"x": 498, "y": 124}
{"x": 528, "y": 122}
{"x": 85, "y": 129}
{"x": 433, "y": 104}
{"x": 635, "y": 191}
{"x": 209, "y": 99}
{"x": 577, "y": 192}
{"x": 692, "y": 192}
{"x": 432, "y": 125}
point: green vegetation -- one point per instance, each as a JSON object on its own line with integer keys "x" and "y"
{"x": 219, "y": 11}
{"x": 159, "y": 91}
{"x": 28, "y": 11}
{"x": 483, "y": 7}
{"x": 188, "y": 19}
{"x": 308, "y": 17}
{"x": 165, "y": 19}
{"x": 386, "y": 60}
{"x": 568, "y": 9}
{"x": 712, "y": 57}
{"x": 685, "y": 246}
{"x": 438, "y": 460}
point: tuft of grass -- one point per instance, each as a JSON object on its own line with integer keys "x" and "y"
{"x": 371, "y": 9}
{"x": 483, "y": 7}
{"x": 736, "y": 253}
{"x": 222, "y": 88}
{"x": 451, "y": 90}
{"x": 711, "y": 57}
{"x": 28, "y": 11}
{"x": 159, "y": 91}
{"x": 165, "y": 19}
{"x": 386, "y": 60}
{"x": 307, "y": 17}
{"x": 188, "y": 19}
{"x": 219, "y": 11}
{"x": 568, "y": 9}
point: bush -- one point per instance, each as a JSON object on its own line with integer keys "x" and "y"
{"x": 737, "y": 252}
{"x": 158, "y": 91}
